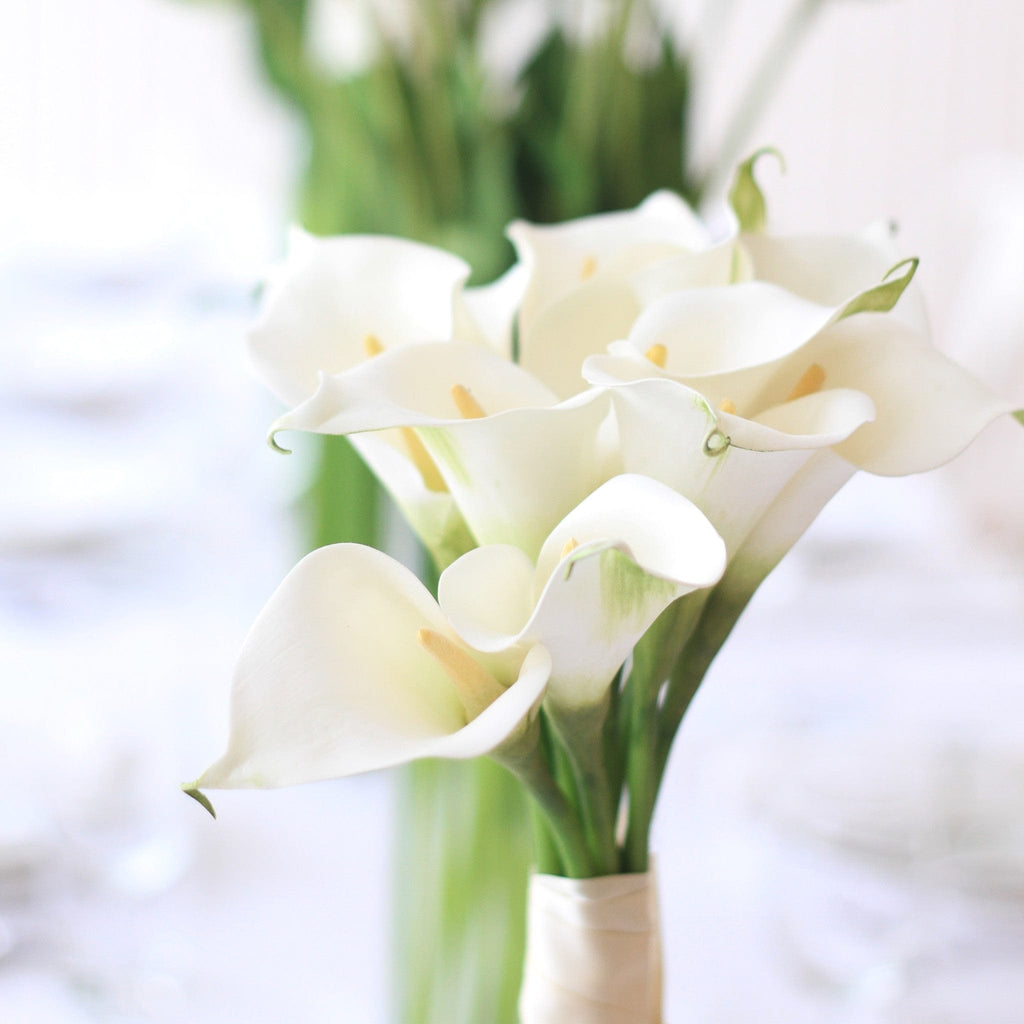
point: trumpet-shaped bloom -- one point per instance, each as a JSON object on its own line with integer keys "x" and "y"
{"x": 514, "y": 459}
{"x": 602, "y": 577}
{"x": 578, "y": 294}
{"x": 352, "y": 666}
{"x": 333, "y": 301}
{"x": 335, "y": 678}
{"x": 864, "y": 392}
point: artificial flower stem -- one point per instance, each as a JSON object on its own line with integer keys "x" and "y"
{"x": 582, "y": 734}
{"x": 641, "y": 775}
{"x": 614, "y": 738}
{"x": 720, "y": 613}
{"x": 547, "y": 859}
{"x": 653, "y": 658}
{"x": 566, "y": 833}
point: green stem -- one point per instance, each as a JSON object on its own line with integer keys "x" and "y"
{"x": 720, "y": 612}
{"x": 549, "y": 860}
{"x": 566, "y": 833}
{"x": 641, "y": 782}
{"x": 582, "y": 735}
{"x": 653, "y": 659}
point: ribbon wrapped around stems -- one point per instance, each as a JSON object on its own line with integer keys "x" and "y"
{"x": 593, "y": 951}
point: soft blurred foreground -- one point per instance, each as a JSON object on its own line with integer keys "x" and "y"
{"x": 842, "y": 834}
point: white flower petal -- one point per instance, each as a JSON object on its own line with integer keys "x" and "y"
{"x": 488, "y": 596}
{"x": 639, "y": 546}
{"x": 623, "y": 363}
{"x": 332, "y": 293}
{"x": 575, "y": 326}
{"x": 828, "y": 269}
{"x": 412, "y": 386}
{"x": 516, "y": 474}
{"x": 722, "y": 264}
{"x": 432, "y": 514}
{"x": 718, "y": 330}
{"x": 559, "y": 257}
{"x": 331, "y": 680}
{"x": 814, "y": 421}
{"x": 669, "y": 433}
{"x": 928, "y": 408}
{"x": 666, "y": 534}
{"x": 782, "y": 521}
{"x": 487, "y": 314}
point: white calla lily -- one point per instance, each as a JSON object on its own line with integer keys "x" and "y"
{"x": 928, "y": 407}
{"x": 352, "y": 667}
{"x": 893, "y": 405}
{"x": 513, "y": 458}
{"x": 603, "y": 575}
{"x": 332, "y": 297}
{"x": 558, "y": 257}
{"x": 667, "y": 431}
{"x": 579, "y": 295}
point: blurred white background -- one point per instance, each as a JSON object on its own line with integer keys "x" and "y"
{"x": 842, "y": 835}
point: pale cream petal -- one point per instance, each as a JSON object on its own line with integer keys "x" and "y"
{"x": 815, "y": 421}
{"x": 928, "y": 408}
{"x": 515, "y": 475}
{"x": 665, "y": 534}
{"x": 573, "y": 327}
{"x": 502, "y": 722}
{"x": 604, "y": 574}
{"x": 488, "y": 595}
{"x": 622, "y": 363}
{"x": 432, "y": 514}
{"x": 559, "y": 257}
{"x": 669, "y": 433}
{"x": 487, "y": 314}
{"x": 784, "y": 519}
{"x": 513, "y": 472}
{"x": 332, "y": 293}
{"x": 412, "y": 386}
{"x": 828, "y": 269}
{"x": 718, "y": 330}
{"x": 331, "y": 680}
{"x": 722, "y": 264}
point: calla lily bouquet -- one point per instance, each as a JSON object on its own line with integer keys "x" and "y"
{"x": 605, "y": 452}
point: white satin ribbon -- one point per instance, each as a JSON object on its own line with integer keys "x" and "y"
{"x": 593, "y": 951}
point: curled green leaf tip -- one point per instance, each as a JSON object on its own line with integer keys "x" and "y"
{"x": 884, "y": 296}
{"x": 745, "y": 195}
{"x": 200, "y": 798}
{"x": 272, "y": 442}
{"x": 1019, "y": 416}
{"x": 912, "y": 262}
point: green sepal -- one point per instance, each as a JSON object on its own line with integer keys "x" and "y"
{"x": 745, "y": 195}
{"x": 884, "y": 296}
{"x": 200, "y": 798}
{"x": 1019, "y": 416}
